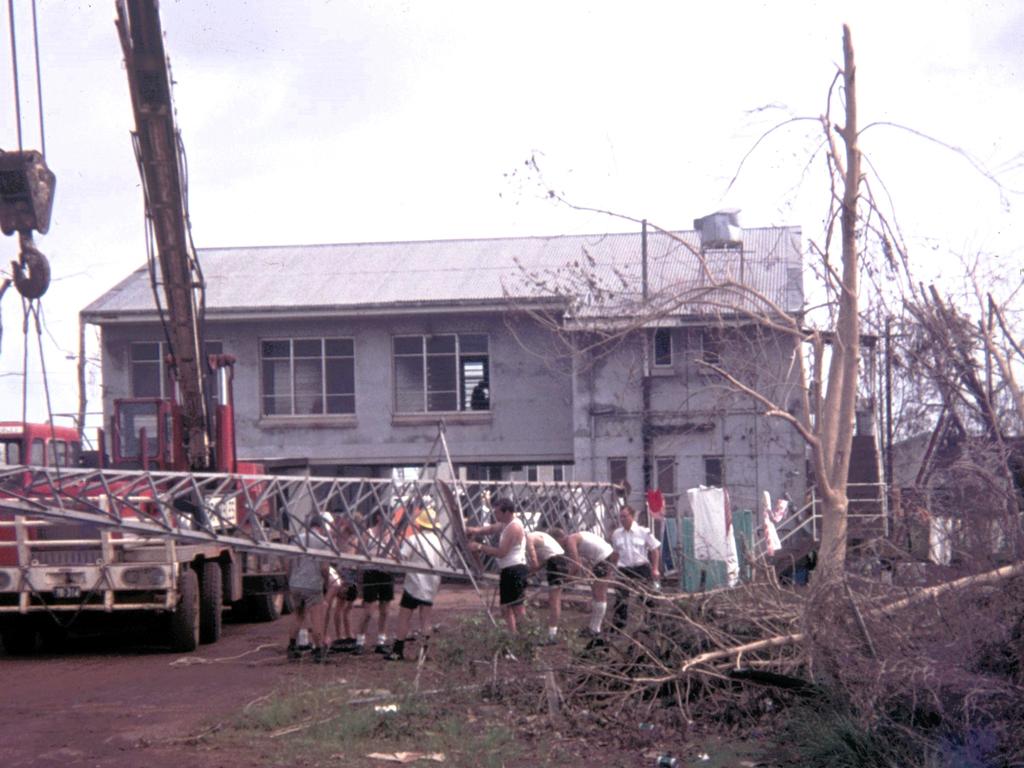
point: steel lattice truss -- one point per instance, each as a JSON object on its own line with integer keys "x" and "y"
{"x": 402, "y": 525}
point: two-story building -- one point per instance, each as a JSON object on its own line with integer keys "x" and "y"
{"x": 349, "y": 355}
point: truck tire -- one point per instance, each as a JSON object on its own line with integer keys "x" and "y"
{"x": 19, "y": 638}
{"x": 185, "y": 619}
{"x": 264, "y": 607}
{"x": 211, "y": 603}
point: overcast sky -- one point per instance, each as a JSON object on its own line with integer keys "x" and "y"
{"x": 345, "y": 121}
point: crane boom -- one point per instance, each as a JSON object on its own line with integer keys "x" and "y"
{"x": 158, "y": 151}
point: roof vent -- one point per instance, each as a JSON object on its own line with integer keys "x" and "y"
{"x": 720, "y": 229}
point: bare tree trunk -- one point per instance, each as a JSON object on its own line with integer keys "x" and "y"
{"x": 831, "y": 455}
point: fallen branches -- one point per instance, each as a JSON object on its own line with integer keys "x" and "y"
{"x": 942, "y": 658}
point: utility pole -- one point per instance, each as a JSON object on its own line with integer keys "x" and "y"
{"x": 888, "y": 402}
{"x": 645, "y": 407}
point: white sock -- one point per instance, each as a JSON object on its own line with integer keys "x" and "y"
{"x": 360, "y": 639}
{"x": 597, "y": 616}
{"x": 381, "y": 639}
{"x": 552, "y": 633}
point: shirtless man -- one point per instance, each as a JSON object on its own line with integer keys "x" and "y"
{"x": 511, "y": 556}
{"x": 589, "y": 555}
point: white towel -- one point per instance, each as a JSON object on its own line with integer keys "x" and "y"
{"x": 771, "y": 536}
{"x": 710, "y": 527}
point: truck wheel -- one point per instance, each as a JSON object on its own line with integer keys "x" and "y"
{"x": 185, "y": 619}
{"x": 265, "y": 607}
{"x": 19, "y": 638}
{"x": 211, "y": 603}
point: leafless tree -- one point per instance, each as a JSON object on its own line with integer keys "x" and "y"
{"x": 602, "y": 308}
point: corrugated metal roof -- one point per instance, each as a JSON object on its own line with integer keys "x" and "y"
{"x": 351, "y": 277}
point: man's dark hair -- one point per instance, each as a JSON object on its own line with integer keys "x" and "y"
{"x": 504, "y": 505}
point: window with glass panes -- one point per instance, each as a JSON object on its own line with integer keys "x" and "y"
{"x": 443, "y": 372}
{"x": 307, "y": 377}
{"x": 149, "y": 372}
{"x": 714, "y": 471}
{"x": 662, "y": 344}
{"x": 617, "y": 470}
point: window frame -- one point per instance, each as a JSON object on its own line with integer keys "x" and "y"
{"x": 709, "y": 460}
{"x": 654, "y": 348}
{"x": 323, "y": 395}
{"x": 163, "y": 370}
{"x": 612, "y": 462}
{"x": 464, "y": 401}
{"x": 711, "y": 345}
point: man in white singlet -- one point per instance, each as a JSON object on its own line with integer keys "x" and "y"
{"x": 511, "y": 556}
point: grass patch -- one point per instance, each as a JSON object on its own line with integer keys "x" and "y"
{"x": 329, "y": 730}
{"x": 475, "y": 639}
{"x": 830, "y": 735}
{"x": 473, "y": 721}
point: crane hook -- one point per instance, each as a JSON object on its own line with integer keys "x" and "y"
{"x": 32, "y": 270}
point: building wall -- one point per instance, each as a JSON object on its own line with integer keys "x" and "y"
{"x": 693, "y": 416}
{"x": 543, "y": 411}
{"x": 529, "y": 420}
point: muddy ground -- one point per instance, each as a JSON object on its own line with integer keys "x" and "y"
{"x": 103, "y": 702}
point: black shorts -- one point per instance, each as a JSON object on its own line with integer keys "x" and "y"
{"x": 378, "y": 587}
{"x": 412, "y": 603}
{"x": 512, "y": 584}
{"x": 637, "y": 572}
{"x": 348, "y": 593}
{"x": 602, "y": 569}
{"x": 558, "y": 570}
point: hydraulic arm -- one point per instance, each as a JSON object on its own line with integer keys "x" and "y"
{"x": 158, "y": 151}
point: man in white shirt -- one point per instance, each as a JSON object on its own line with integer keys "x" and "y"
{"x": 637, "y": 555}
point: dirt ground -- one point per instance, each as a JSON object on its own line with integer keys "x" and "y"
{"x": 120, "y": 702}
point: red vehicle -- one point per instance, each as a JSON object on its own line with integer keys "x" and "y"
{"x": 61, "y": 576}
{"x": 109, "y": 571}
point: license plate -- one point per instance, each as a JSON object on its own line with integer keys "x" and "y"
{"x": 67, "y": 591}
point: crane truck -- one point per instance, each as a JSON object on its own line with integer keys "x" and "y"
{"x": 64, "y": 573}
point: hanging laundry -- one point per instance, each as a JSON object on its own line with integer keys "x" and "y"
{"x": 713, "y": 537}
{"x": 771, "y": 536}
{"x": 656, "y": 503}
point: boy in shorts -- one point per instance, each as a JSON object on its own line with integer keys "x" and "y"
{"x": 543, "y": 551}
{"x": 307, "y": 579}
{"x": 377, "y": 587}
{"x": 420, "y": 589}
